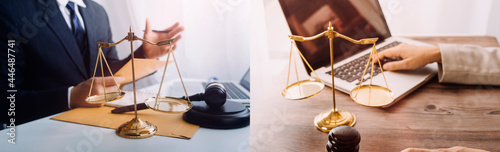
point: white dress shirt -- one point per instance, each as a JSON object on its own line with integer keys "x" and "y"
{"x": 66, "y": 13}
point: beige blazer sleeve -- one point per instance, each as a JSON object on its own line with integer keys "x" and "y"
{"x": 469, "y": 64}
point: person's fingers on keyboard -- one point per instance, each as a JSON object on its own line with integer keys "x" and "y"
{"x": 397, "y": 65}
{"x": 389, "y": 53}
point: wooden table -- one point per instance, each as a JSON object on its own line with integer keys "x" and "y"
{"x": 434, "y": 116}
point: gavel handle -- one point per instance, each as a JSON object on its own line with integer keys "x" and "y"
{"x": 123, "y": 109}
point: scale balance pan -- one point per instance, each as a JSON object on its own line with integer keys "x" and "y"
{"x": 102, "y": 98}
{"x": 168, "y": 104}
{"x": 372, "y": 96}
{"x": 303, "y": 89}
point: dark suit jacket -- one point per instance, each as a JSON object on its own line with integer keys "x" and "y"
{"x": 47, "y": 57}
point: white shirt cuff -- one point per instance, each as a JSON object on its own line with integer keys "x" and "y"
{"x": 69, "y": 97}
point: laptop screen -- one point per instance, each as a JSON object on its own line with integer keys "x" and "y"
{"x": 245, "y": 81}
{"x": 357, "y": 19}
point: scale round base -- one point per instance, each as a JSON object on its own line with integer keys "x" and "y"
{"x": 102, "y": 98}
{"x": 303, "y": 89}
{"x": 372, "y": 96}
{"x": 136, "y": 129}
{"x": 327, "y": 120}
{"x": 168, "y": 104}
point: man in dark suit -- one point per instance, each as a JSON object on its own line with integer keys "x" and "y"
{"x": 55, "y": 53}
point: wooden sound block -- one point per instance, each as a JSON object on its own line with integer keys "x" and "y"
{"x": 343, "y": 139}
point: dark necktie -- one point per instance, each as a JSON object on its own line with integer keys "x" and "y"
{"x": 78, "y": 31}
{"x": 79, "y": 34}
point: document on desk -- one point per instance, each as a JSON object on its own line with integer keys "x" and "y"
{"x": 171, "y": 125}
{"x": 128, "y": 99}
{"x": 143, "y": 67}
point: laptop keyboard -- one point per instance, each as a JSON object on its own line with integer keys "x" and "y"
{"x": 232, "y": 91}
{"x": 353, "y": 70}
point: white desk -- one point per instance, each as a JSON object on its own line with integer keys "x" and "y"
{"x": 52, "y": 135}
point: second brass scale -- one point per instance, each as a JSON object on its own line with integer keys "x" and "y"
{"x": 367, "y": 95}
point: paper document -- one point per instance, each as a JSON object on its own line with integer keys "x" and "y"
{"x": 143, "y": 67}
{"x": 128, "y": 99}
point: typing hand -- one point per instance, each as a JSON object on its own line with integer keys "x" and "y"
{"x": 80, "y": 91}
{"x": 153, "y": 52}
{"x": 413, "y": 56}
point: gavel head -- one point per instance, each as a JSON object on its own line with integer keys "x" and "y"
{"x": 343, "y": 139}
{"x": 215, "y": 95}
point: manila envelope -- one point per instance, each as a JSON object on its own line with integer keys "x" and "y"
{"x": 171, "y": 125}
{"x": 143, "y": 67}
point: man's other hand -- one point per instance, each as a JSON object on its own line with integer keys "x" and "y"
{"x": 81, "y": 91}
{"x": 154, "y": 52}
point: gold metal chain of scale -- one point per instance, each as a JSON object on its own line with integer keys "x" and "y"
{"x": 137, "y": 128}
{"x": 367, "y": 95}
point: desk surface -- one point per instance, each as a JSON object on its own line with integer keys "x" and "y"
{"x": 52, "y": 135}
{"x": 434, "y": 116}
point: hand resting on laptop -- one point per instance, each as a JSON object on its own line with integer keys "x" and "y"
{"x": 464, "y": 64}
{"x": 413, "y": 56}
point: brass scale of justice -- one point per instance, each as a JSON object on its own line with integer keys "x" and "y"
{"x": 137, "y": 128}
{"x": 367, "y": 95}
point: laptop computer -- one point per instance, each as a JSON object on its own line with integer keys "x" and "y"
{"x": 235, "y": 91}
{"x": 357, "y": 19}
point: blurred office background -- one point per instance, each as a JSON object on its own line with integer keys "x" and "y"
{"x": 411, "y": 18}
{"x": 442, "y": 17}
{"x": 215, "y": 42}
{"x": 220, "y": 33}
{"x": 404, "y": 18}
